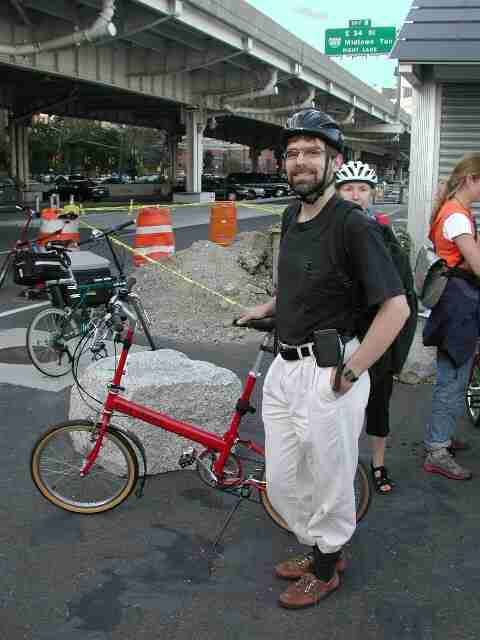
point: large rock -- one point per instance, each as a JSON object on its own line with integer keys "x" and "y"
{"x": 168, "y": 381}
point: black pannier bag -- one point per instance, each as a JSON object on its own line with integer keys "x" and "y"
{"x": 31, "y": 268}
{"x": 89, "y": 269}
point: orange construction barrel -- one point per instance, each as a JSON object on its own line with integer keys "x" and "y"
{"x": 54, "y": 228}
{"x": 49, "y": 225}
{"x": 154, "y": 236}
{"x": 223, "y": 222}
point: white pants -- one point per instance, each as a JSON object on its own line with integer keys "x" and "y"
{"x": 311, "y": 449}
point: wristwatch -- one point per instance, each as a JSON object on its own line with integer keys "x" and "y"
{"x": 349, "y": 374}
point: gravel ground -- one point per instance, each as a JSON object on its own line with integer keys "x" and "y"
{"x": 181, "y": 309}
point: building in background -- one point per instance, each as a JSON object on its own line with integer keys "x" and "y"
{"x": 406, "y": 95}
{"x": 438, "y": 50}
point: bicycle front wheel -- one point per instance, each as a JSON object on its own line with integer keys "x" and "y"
{"x": 472, "y": 394}
{"x": 59, "y": 455}
{"x": 5, "y": 268}
{"x": 363, "y": 496}
{"x": 51, "y": 340}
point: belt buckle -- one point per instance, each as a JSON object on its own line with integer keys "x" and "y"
{"x": 308, "y": 346}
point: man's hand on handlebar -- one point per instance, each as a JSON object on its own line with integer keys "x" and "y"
{"x": 256, "y": 313}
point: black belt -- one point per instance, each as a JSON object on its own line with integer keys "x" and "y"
{"x": 297, "y": 352}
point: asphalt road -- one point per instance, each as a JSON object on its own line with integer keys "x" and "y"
{"x": 147, "y": 570}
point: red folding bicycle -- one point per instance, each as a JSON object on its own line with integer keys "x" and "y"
{"x": 90, "y": 467}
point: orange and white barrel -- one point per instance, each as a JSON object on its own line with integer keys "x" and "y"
{"x": 54, "y": 228}
{"x": 154, "y": 236}
{"x": 50, "y": 225}
{"x": 70, "y": 232}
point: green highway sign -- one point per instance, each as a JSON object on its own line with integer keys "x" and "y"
{"x": 359, "y": 40}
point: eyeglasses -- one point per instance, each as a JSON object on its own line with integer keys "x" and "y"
{"x": 309, "y": 154}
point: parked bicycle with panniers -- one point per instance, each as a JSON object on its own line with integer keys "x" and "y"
{"x": 71, "y": 464}
{"x": 23, "y": 247}
{"x": 81, "y": 288}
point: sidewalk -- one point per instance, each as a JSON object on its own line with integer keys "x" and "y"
{"x": 147, "y": 570}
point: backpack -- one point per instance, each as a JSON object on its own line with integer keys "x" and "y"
{"x": 430, "y": 276}
{"x": 432, "y": 273}
{"x": 397, "y": 353}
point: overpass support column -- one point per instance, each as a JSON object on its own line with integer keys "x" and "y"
{"x": 20, "y": 131}
{"x": 255, "y": 153}
{"x": 279, "y": 158}
{"x": 195, "y": 128}
{"x": 423, "y": 161}
{"x": 26, "y": 156}
{"x": 12, "y": 138}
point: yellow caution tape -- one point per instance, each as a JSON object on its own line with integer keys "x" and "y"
{"x": 170, "y": 270}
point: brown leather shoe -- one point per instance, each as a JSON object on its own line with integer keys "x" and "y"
{"x": 307, "y": 591}
{"x": 297, "y": 567}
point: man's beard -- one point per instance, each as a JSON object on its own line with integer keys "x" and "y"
{"x": 306, "y": 187}
{"x": 310, "y": 190}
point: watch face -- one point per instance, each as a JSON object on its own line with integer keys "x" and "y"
{"x": 349, "y": 375}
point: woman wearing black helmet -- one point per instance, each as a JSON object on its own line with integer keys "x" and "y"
{"x": 316, "y": 390}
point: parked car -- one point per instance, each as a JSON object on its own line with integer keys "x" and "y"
{"x": 80, "y": 189}
{"x": 262, "y": 184}
{"x": 225, "y": 189}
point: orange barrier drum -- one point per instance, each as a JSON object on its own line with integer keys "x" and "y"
{"x": 154, "y": 236}
{"x": 223, "y": 223}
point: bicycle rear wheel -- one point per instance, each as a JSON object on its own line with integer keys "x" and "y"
{"x": 51, "y": 340}
{"x": 472, "y": 393}
{"x": 5, "y": 268}
{"x": 363, "y": 496}
{"x": 59, "y": 455}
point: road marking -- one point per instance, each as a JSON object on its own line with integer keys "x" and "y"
{"x": 12, "y": 312}
{"x": 26, "y": 375}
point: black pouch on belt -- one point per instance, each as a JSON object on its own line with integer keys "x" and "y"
{"x": 329, "y": 350}
{"x": 327, "y": 347}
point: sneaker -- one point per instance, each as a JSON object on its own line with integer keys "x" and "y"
{"x": 442, "y": 462}
{"x": 297, "y": 567}
{"x": 307, "y": 591}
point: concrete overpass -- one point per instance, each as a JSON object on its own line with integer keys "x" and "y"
{"x": 194, "y": 67}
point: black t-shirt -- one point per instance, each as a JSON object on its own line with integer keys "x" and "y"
{"x": 313, "y": 292}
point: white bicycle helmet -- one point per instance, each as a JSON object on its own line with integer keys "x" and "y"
{"x": 356, "y": 171}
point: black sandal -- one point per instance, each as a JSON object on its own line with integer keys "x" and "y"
{"x": 381, "y": 479}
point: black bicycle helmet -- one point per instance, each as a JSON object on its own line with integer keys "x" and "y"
{"x": 316, "y": 123}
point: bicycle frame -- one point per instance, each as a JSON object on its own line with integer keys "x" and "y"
{"x": 223, "y": 444}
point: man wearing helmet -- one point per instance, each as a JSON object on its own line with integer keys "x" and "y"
{"x": 316, "y": 390}
{"x": 356, "y": 182}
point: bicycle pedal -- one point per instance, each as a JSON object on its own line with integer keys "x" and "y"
{"x": 187, "y": 458}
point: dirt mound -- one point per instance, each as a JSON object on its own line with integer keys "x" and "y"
{"x": 195, "y": 295}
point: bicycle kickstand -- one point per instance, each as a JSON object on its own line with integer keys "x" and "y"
{"x": 227, "y": 522}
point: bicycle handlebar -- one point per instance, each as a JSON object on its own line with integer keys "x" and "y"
{"x": 260, "y": 324}
{"x": 107, "y": 232}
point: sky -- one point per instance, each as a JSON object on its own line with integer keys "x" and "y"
{"x": 308, "y": 19}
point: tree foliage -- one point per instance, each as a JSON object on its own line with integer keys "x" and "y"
{"x": 66, "y": 145}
